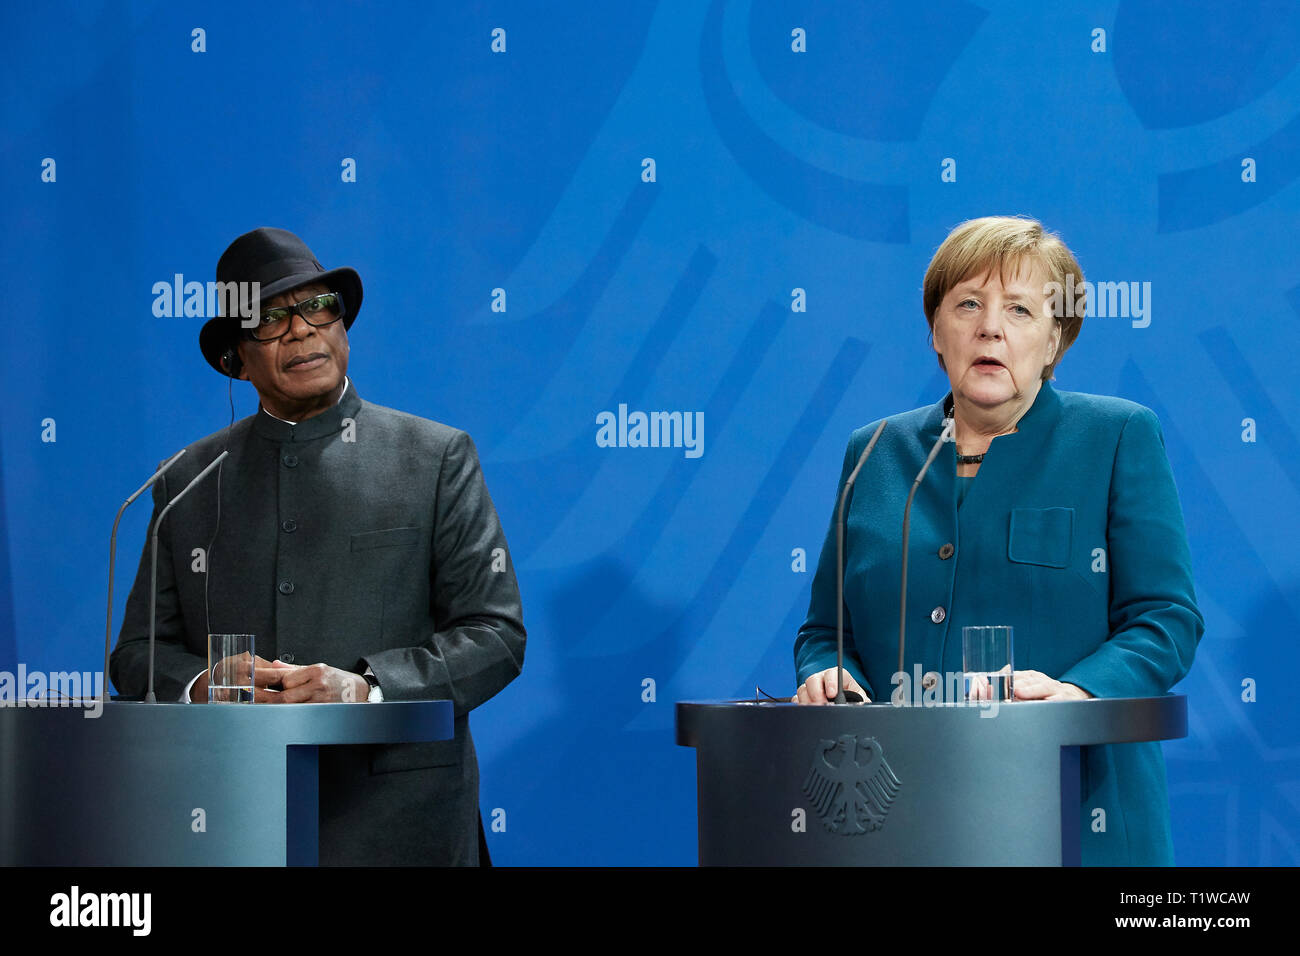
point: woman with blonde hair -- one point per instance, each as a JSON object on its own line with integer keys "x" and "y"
{"x": 1054, "y": 512}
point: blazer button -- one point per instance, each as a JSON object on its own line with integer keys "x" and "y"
{"x": 930, "y": 681}
{"x": 937, "y": 615}
{"x": 291, "y": 461}
{"x": 287, "y": 657}
{"x": 946, "y": 551}
{"x": 289, "y": 525}
{"x": 286, "y": 587}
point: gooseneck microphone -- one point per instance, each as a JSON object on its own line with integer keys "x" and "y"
{"x": 946, "y": 435}
{"x": 153, "y": 592}
{"x": 840, "y": 696}
{"x": 112, "y": 554}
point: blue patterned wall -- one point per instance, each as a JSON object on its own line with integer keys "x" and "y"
{"x": 1162, "y": 141}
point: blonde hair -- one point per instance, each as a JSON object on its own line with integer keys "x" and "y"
{"x": 1005, "y": 244}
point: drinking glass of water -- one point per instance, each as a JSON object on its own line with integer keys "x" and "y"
{"x": 230, "y": 668}
{"x": 988, "y": 662}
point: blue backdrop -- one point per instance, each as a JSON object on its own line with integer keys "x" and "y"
{"x": 656, "y": 189}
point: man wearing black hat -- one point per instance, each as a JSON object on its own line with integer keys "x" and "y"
{"x": 357, "y": 543}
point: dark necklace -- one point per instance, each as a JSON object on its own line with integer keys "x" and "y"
{"x": 965, "y": 459}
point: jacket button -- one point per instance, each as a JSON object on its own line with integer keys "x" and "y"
{"x": 930, "y": 681}
{"x": 287, "y": 657}
{"x": 937, "y": 615}
{"x": 946, "y": 551}
{"x": 291, "y": 461}
{"x": 289, "y": 525}
{"x": 286, "y": 587}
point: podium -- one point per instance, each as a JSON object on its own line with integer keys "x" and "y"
{"x": 175, "y": 784}
{"x": 882, "y": 785}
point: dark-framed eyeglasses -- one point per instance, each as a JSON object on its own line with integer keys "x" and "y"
{"x": 319, "y": 311}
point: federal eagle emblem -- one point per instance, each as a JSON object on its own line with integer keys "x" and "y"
{"x": 851, "y": 785}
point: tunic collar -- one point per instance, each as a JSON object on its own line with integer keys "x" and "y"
{"x": 319, "y": 426}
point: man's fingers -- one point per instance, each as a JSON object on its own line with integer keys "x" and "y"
{"x": 301, "y": 675}
{"x": 268, "y": 676}
{"x": 270, "y": 673}
{"x": 301, "y": 694}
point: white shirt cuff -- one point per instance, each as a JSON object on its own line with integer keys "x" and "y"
{"x": 185, "y": 694}
{"x": 376, "y": 695}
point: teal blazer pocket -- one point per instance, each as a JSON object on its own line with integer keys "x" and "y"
{"x": 390, "y": 538}
{"x": 1042, "y": 536}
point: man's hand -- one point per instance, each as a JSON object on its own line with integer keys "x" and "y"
{"x": 317, "y": 684}
{"x": 821, "y": 688}
{"x": 266, "y": 682}
{"x": 1035, "y": 685}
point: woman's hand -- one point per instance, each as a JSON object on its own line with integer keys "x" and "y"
{"x": 821, "y": 688}
{"x": 1035, "y": 685}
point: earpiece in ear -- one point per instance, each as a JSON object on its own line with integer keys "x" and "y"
{"x": 230, "y": 362}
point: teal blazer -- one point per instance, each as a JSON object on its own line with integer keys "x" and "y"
{"x": 1072, "y": 533}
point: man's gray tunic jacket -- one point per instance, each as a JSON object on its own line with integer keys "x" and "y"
{"x": 362, "y": 536}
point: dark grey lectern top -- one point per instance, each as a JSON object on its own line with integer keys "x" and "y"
{"x": 174, "y": 784}
{"x": 882, "y": 785}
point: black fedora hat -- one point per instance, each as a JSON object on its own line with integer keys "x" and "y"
{"x": 280, "y": 261}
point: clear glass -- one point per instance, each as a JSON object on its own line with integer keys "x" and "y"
{"x": 230, "y": 668}
{"x": 988, "y": 662}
